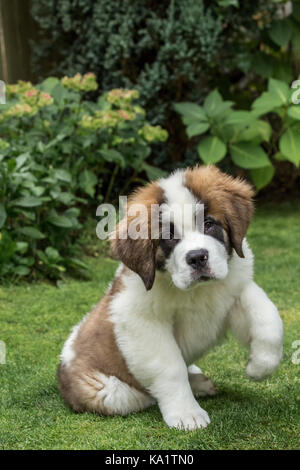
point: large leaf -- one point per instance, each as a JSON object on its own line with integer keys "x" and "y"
{"x": 49, "y": 84}
{"x": 248, "y": 156}
{"x": 63, "y": 175}
{"x": 2, "y": 215}
{"x": 21, "y": 270}
{"x": 294, "y": 112}
{"x": 197, "y": 128}
{"x": 213, "y": 103}
{"x": 87, "y": 182}
{"x": 265, "y": 103}
{"x": 257, "y": 131}
{"x": 52, "y": 254}
{"x": 192, "y": 111}
{"x": 262, "y": 176}
{"x": 211, "y": 150}
{"x": 281, "y": 32}
{"x": 32, "y": 232}
{"x": 21, "y": 159}
{"x": 240, "y": 117}
{"x": 60, "y": 221}
{"x": 280, "y": 90}
{"x": 289, "y": 145}
{"x": 28, "y": 201}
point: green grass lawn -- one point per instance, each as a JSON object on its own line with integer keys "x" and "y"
{"x": 35, "y": 321}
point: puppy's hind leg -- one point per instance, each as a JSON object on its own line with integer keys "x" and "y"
{"x": 101, "y": 393}
{"x": 200, "y": 384}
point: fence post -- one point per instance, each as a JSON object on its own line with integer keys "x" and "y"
{"x": 15, "y": 30}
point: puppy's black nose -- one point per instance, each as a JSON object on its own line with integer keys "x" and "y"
{"x": 197, "y": 258}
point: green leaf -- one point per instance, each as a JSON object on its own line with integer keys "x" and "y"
{"x": 32, "y": 232}
{"x": 153, "y": 172}
{"x": 22, "y": 247}
{"x": 111, "y": 155}
{"x": 257, "y": 131}
{"x": 49, "y": 84}
{"x": 2, "y": 215}
{"x": 265, "y": 103}
{"x": 192, "y": 111}
{"x": 279, "y": 89}
{"x": 248, "y": 156}
{"x": 289, "y": 146}
{"x": 211, "y": 150}
{"x": 60, "y": 221}
{"x": 228, "y": 3}
{"x": 21, "y": 159}
{"x": 240, "y": 117}
{"x": 281, "y": 32}
{"x": 21, "y": 270}
{"x": 212, "y": 103}
{"x": 197, "y": 128}
{"x": 63, "y": 175}
{"x": 87, "y": 182}
{"x": 262, "y": 176}
{"x": 294, "y": 112}
{"x": 65, "y": 197}
{"x": 77, "y": 263}
{"x": 52, "y": 254}
{"x": 28, "y": 201}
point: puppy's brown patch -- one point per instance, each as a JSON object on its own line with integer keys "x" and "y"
{"x": 96, "y": 351}
{"x": 226, "y": 198}
{"x": 139, "y": 254}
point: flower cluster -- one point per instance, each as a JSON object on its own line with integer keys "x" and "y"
{"x": 80, "y": 82}
{"x": 153, "y": 133}
{"x": 117, "y": 111}
{"x": 36, "y": 99}
{"x": 120, "y": 97}
{"x": 106, "y": 118}
{"x": 30, "y": 100}
{"x": 18, "y": 89}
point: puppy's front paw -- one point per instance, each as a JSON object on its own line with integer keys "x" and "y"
{"x": 260, "y": 367}
{"x": 187, "y": 420}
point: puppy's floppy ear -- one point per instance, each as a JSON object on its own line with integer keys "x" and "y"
{"x": 239, "y": 211}
{"x": 138, "y": 254}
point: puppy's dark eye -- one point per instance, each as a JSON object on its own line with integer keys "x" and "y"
{"x": 208, "y": 224}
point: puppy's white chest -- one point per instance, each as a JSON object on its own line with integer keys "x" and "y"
{"x": 198, "y": 329}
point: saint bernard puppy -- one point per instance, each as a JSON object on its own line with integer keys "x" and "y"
{"x": 173, "y": 298}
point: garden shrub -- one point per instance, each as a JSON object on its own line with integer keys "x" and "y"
{"x": 270, "y": 130}
{"x": 170, "y": 51}
{"x": 59, "y": 153}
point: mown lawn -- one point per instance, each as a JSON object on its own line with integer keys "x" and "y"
{"x": 35, "y": 321}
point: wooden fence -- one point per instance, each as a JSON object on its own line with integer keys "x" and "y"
{"x": 16, "y": 27}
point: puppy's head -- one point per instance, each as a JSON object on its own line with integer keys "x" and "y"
{"x": 186, "y": 225}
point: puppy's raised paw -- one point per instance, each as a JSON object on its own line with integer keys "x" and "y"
{"x": 258, "y": 368}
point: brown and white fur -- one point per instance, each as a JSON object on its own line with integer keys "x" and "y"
{"x": 162, "y": 313}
